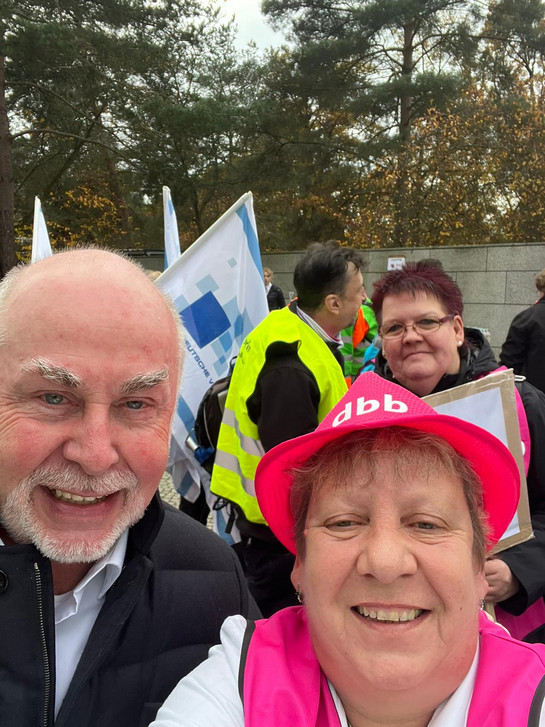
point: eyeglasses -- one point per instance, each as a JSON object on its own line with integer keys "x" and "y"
{"x": 423, "y": 326}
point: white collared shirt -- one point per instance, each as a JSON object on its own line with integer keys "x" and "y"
{"x": 76, "y": 612}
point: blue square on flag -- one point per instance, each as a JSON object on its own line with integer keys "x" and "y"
{"x": 205, "y": 319}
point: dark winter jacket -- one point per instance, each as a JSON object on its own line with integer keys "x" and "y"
{"x": 524, "y": 347}
{"x": 275, "y": 298}
{"x": 159, "y": 619}
{"x": 527, "y": 560}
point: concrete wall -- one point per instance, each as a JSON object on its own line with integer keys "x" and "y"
{"x": 497, "y": 281}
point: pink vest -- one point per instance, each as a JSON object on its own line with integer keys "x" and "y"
{"x": 284, "y": 685}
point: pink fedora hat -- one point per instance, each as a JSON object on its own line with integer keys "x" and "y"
{"x": 373, "y": 403}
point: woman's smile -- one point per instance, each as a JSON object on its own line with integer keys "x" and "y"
{"x": 389, "y": 614}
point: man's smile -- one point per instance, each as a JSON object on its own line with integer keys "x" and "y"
{"x": 76, "y": 499}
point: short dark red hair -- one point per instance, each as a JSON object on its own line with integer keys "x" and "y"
{"x": 417, "y": 278}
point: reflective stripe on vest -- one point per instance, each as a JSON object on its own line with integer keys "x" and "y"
{"x": 239, "y": 448}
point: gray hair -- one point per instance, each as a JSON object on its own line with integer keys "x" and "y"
{"x": 7, "y": 284}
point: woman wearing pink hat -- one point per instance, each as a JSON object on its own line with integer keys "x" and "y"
{"x": 390, "y": 574}
{"x": 426, "y": 349}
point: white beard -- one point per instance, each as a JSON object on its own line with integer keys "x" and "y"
{"x": 20, "y": 520}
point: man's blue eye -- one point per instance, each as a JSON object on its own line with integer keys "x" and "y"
{"x": 54, "y": 399}
{"x": 135, "y": 404}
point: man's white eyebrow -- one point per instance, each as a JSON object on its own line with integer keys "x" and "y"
{"x": 143, "y": 382}
{"x": 52, "y": 372}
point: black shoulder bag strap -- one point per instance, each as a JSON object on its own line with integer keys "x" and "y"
{"x": 537, "y": 703}
{"x": 250, "y": 628}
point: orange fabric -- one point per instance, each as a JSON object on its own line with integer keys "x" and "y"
{"x": 360, "y": 329}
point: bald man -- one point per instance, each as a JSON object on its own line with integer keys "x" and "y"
{"x": 106, "y": 598}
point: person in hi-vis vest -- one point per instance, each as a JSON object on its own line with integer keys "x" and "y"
{"x": 288, "y": 376}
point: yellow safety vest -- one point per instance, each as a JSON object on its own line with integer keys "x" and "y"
{"x": 239, "y": 448}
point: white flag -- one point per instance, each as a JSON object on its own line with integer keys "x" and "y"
{"x": 40, "y": 239}
{"x": 172, "y": 239}
{"x": 217, "y": 286}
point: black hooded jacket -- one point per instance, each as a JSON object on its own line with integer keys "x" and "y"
{"x": 527, "y": 560}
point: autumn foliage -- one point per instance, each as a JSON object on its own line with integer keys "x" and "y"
{"x": 417, "y": 123}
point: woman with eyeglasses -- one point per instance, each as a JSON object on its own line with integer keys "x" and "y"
{"x": 426, "y": 349}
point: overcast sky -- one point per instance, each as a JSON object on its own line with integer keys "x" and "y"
{"x": 251, "y": 23}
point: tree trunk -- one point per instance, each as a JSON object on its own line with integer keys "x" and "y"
{"x": 401, "y": 232}
{"x": 8, "y": 257}
{"x": 406, "y": 75}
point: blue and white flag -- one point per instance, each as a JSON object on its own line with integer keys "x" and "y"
{"x": 41, "y": 246}
{"x": 217, "y": 286}
{"x": 172, "y": 239}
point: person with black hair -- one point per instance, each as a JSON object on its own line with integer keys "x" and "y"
{"x": 287, "y": 377}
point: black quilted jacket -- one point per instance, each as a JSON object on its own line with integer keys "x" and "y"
{"x": 158, "y": 621}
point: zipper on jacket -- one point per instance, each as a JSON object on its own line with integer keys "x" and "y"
{"x": 43, "y": 643}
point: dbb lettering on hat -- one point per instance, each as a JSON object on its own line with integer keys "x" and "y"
{"x": 364, "y": 406}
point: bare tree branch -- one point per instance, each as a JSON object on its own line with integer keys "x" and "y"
{"x": 56, "y": 132}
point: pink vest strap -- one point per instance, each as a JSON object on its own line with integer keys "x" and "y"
{"x": 284, "y": 685}
{"x": 283, "y": 682}
{"x": 520, "y": 626}
{"x": 524, "y": 431}
{"x": 508, "y": 676}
